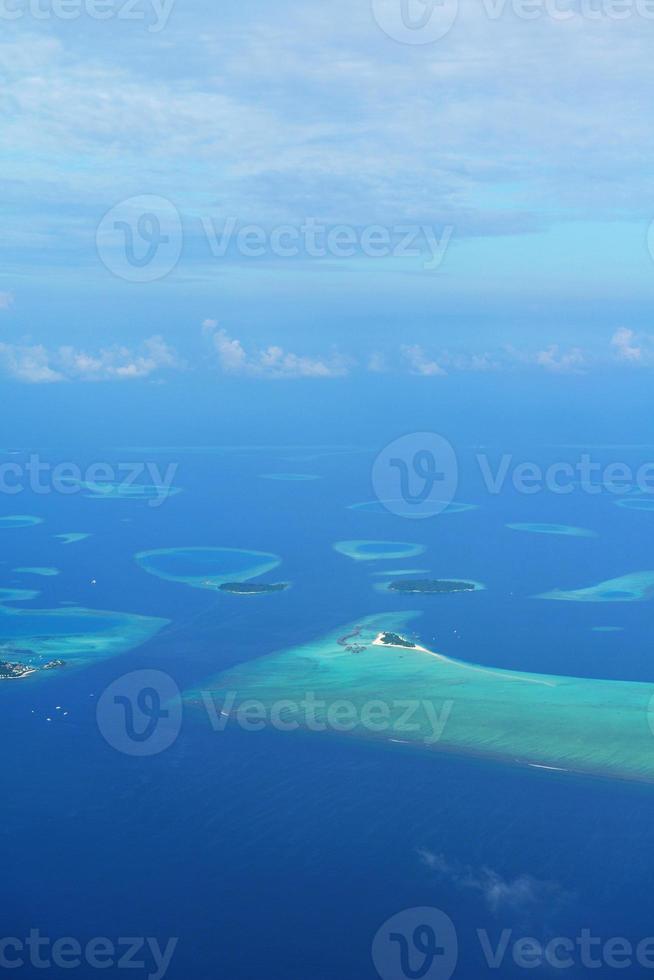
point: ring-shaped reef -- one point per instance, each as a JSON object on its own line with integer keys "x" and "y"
{"x": 563, "y": 529}
{"x": 71, "y": 636}
{"x": 205, "y": 567}
{"x": 378, "y": 550}
{"x": 635, "y": 587}
{"x": 19, "y": 521}
{"x": 402, "y": 508}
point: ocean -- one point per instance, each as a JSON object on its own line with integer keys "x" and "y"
{"x": 285, "y": 855}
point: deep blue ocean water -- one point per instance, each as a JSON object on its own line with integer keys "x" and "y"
{"x": 280, "y": 856}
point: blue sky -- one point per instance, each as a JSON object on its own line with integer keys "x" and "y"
{"x": 516, "y": 151}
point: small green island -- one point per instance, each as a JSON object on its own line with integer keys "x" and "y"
{"x": 13, "y": 671}
{"x": 394, "y": 640}
{"x": 253, "y": 588}
{"x": 428, "y": 586}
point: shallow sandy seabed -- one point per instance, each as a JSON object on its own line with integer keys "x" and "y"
{"x": 570, "y": 724}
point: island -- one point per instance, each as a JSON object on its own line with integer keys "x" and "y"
{"x": 394, "y": 640}
{"x": 252, "y": 588}
{"x": 13, "y": 671}
{"x": 429, "y": 586}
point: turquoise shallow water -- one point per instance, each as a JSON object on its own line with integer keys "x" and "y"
{"x": 74, "y": 537}
{"x": 396, "y": 507}
{"x": 43, "y": 572}
{"x": 207, "y": 568}
{"x": 418, "y": 697}
{"x": 635, "y": 587}
{"x": 636, "y": 503}
{"x": 73, "y": 634}
{"x": 291, "y": 477}
{"x": 564, "y": 529}
{"x": 19, "y": 521}
{"x": 376, "y": 550}
{"x": 136, "y": 491}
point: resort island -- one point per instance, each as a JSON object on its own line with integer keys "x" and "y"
{"x": 13, "y": 671}
{"x": 394, "y": 640}
{"x": 428, "y": 586}
{"x": 253, "y": 588}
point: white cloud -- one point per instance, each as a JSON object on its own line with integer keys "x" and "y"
{"x": 316, "y": 112}
{"x": 627, "y": 347}
{"x": 32, "y": 364}
{"x": 419, "y": 363}
{"x": 377, "y": 363}
{"x": 554, "y": 359}
{"x": 6, "y": 300}
{"x": 37, "y": 364}
{"x": 522, "y": 894}
{"x": 273, "y": 361}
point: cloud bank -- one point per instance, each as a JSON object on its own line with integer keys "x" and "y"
{"x": 37, "y": 364}
{"x": 231, "y": 356}
{"x": 270, "y": 362}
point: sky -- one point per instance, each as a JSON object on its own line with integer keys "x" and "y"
{"x": 312, "y": 190}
